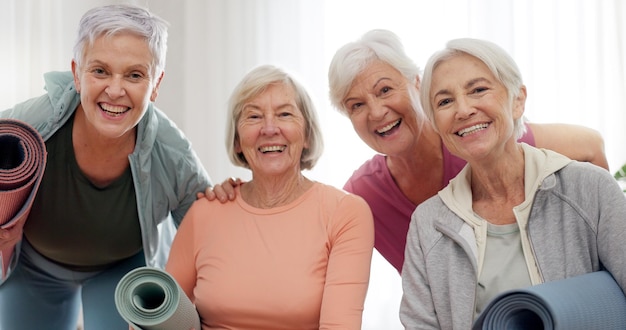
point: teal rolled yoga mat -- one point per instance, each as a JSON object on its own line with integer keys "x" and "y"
{"x": 149, "y": 298}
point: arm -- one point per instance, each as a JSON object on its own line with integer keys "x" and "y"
{"x": 576, "y": 142}
{"x": 180, "y": 263}
{"x": 417, "y": 310}
{"x": 611, "y": 227}
{"x": 191, "y": 178}
{"x": 347, "y": 276}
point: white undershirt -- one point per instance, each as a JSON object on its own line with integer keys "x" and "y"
{"x": 504, "y": 266}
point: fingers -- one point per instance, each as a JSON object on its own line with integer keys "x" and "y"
{"x": 217, "y": 192}
{"x": 222, "y": 192}
{"x": 10, "y": 236}
{"x": 234, "y": 181}
{"x": 208, "y": 194}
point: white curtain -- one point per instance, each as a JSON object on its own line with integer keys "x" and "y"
{"x": 572, "y": 54}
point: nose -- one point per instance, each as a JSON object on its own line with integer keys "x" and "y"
{"x": 464, "y": 109}
{"x": 269, "y": 126}
{"x": 377, "y": 109}
{"x": 115, "y": 87}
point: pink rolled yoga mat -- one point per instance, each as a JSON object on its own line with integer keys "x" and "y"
{"x": 22, "y": 163}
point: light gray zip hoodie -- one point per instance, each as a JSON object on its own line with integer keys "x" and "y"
{"x": 572, "y": 222}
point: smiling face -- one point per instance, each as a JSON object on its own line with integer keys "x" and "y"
{"x": 380, "y": 109}
{"x": 471, "y": 107}
{"x": 116, "y": 83}
{"x": 271, "y": 132}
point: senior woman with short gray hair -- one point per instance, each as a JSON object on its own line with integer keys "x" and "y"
{"x": 116, "y": 169}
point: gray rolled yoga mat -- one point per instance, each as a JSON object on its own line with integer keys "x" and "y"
{"x": 589, "y": 301}
{"x": 150, "y": 299}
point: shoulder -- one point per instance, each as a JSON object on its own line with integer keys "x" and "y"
{"x": 586, "y": 171}
{"x": 166, "y": 132}
{"x": 371, "y": 175}
{"x": 433, "y": 214}
{"x": 165, "y": 142}
{"x": 50, "y": 110}
{"x": 582, "y": 182}
{"x": 369, "y": 170}
{"x": 586, "y": 179}
{"x": 165, "y": 155}
{"x": 339, "y": 200}
{"x": 329, "y": 192}
{"x": 430, "y": 210}
{"x": 57, "y": 82}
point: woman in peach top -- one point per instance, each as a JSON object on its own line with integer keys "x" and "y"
{"x": 288, "y": 253}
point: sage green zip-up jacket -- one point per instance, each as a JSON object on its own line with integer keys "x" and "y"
{"x": 572, "y": 222}
{"x": 166, "y": 172}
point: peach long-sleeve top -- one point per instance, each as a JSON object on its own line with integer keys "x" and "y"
{"x": 304, "y": 265}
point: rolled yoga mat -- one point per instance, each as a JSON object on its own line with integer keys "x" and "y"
{"x": 589, "y": 301}
{"x": 149, "y": 298}
{"x": 22, "y": 164}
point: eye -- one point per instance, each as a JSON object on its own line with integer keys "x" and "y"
{"x": 98, "y": 71}
{"x": 250, "y": 115}
{"x": 136, "y": 75}
{"x": 355, "y": 106}
{"x": 385, "y": 90}
{"x": 444, "y": 102}
{"x": 478, "y": 90}
{"x": 285, "y": 114}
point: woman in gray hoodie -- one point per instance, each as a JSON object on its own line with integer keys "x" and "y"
{"x": 516, "y": 215}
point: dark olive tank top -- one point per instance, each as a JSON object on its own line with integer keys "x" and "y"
{"x": 77, "y": 224}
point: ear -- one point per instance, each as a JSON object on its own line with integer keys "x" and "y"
{"x": 155, "y": 90}
{"x": 519, "y": 103}
{"x": 239, "y": 151}
{"x": 75, "y": 73}
{"x": 307, "y": 138}
{"x": 418, "y": 82}
{"x": 237, "y": 146}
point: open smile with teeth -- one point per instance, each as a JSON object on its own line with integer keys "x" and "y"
{"x": 114, "y": 110}
{"x": 383, "y": 131}
{"x": 472, "y": 129}
{"x": 267, "y": 149}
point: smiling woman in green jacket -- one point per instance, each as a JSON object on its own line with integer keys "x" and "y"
{"x": 117, "y": 168}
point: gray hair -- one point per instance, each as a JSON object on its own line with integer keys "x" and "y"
{"x": 255, "y": 83}
{"x": 499, "y": 62}
{"x": 112, "y": 20}
{"x": 351, "y": 59}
